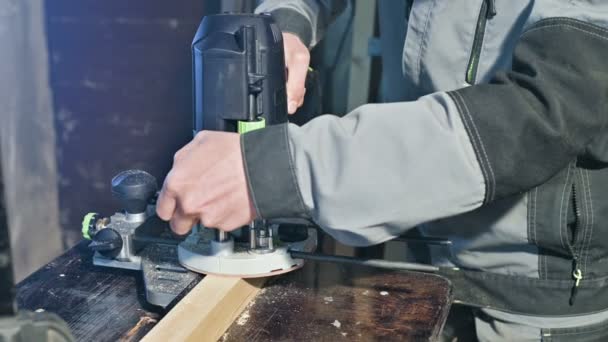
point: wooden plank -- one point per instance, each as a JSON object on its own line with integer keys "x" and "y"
{"x": 98, "y": 303}
{"x": 207, "y": 311}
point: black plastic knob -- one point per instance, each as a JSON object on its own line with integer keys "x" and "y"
{"x": 134, "y": 189}
{"x": 107, "y": 242}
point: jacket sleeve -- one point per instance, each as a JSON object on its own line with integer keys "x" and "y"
{"x": 308, "y": 19}
{"x": 369, "y": 176}
{"x": 385, "y": 168}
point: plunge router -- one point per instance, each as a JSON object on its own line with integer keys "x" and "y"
{"x": 239, "y": 86}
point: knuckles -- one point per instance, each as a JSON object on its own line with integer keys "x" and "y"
{"x": 301, "y": 57}
{"x": 209, "y": 221}
{"x": 171, "y": 185}
{"x": 202, "y": 135}
{"x": 177, "y": 156}
{"x": 188, "y": 207}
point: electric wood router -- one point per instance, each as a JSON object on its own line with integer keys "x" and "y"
{"x": 238, "y": 86}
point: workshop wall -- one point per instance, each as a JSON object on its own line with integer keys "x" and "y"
{"x": 121, "y": 82}
{"x": 27, "y": 137}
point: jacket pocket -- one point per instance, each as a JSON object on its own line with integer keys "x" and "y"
{"x": 487, "y": 11}
{"x": 572, "y": 230}
{"x": 577, "y": 230}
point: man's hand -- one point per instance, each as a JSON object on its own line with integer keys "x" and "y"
{"x": 297, "y": 59}
{"x": 207, "y": 184}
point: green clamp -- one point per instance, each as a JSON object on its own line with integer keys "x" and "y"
{"x": 87, "y": 223}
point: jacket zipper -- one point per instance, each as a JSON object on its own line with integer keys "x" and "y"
{"x": 487, "y": 11}
{"x": 577, "y": 274}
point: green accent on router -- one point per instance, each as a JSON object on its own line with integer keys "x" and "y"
{"x": 86, "y": 222}
{"x": 248, "y": 126}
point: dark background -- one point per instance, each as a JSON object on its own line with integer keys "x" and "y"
{"x": 120, "y": 74}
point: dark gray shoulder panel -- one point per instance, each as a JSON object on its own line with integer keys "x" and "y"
{"x": 530, "y": 122}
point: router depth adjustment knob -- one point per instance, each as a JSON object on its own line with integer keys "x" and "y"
{"x": 107, "y": 242}
{"x": 134, "y": 189}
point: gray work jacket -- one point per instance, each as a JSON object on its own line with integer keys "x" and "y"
{"x": 500, "y": 144}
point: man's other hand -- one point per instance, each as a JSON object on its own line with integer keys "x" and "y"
{"x": 297, "y": 59}
{"x": 207, "y": 183}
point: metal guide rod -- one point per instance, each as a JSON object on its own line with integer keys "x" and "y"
{"x": 386, "y": 264}
{"x": 423, "y": 240}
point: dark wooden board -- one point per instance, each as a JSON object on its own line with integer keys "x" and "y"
{"x": 330, "y": 302}
{"x": 98, "y": 303}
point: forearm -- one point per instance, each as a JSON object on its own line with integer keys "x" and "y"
{"x": 308, "y": 19}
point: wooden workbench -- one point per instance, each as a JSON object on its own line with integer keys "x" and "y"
{"x": 98, "y": 303}
{"x": 332, "y": 302}
{"x": 321, "y": 302}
